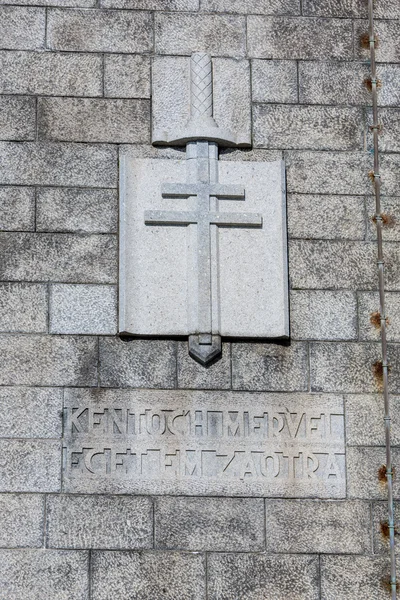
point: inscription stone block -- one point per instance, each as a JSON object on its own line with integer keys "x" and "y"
{"x": 203, "y": 443}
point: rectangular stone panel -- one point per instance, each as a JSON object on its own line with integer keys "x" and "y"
{"x": 126, "y": 76}
{"x": 265, "y": 74}
{"x": 364, "y": 420}
{"x": 379, "y": 517}
{"x": 21, "y": 520}
{"x": 30, "y": 466}
{"x": 58, "y": 3}
{"x": 17, "y": 118}
{"x": 267, "y": 7}
{"x": 384, "y": 9}
{"x": 368, "y": 305}
{"x": 175, "y": 5}
{"x": 388, "y": 32}
{"x": 203, "y": 443}
{"x": 22, "y": 28}
{"x": 23, "y": 307}
{"x": 30, "y": 412}
{"x": 363, "y": 465}
{"x": 17, "y": 209}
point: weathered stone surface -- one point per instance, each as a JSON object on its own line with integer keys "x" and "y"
{"x": 389, "y": 137}
{"x": 209, "y": 524}
{"x": 265, "y": 74}
{"x": 307, "y": 127}
{"x": 195, "y": 376}
{"x": 270, "y": 367}
{"x": 388, "y": 32}
{"x": 177, "y": 5}
{"x": 389, "y": 93}
{"x": 93, "y": 120}
{"x": 380, "y": 515}
{"x": 48, "y": 73}
{"x": 55, "y": 574}
{"x": 368, "y": 303}
{"x": 58, "y": 257}
{"x": 58, "y": 3}
{"x": 23, "y": 308}
{"x": 137, "y": 363}
{"x": 31, "y": 412}
{"x": 84, "y": 309}
{"x": 220, "y": 35}
{"x": 17, "y": 209}
{"x": 58, "y": 164}
{"x": 348, "y": 367}
{"x": 299, "y": 38}
{"x": 364, "y": 420}
{"x": 333, "y": 83}
{"x": 48, "y": 360}
{"x": 385, "y": 9}
{"x": 323, "y": 315}
{"x": 389, "y": 206}
{"x": 203, "y": 443}
{"x": 166, "y": 575}
{"x": 349, "y": 578}
{"x": 126, "y": 76}
{"x": 77, "y": 210}
{"x": 362, "y": 472}
{"x": 99, "y": 31}
{"x": 112, "y": 522}
{"x": 17, "y": 118}
{"x": 320, "y": 265}
{"x": 326, "y": 216}
{"x": 30, "y": 466}
{"x": 254, "y": 576}
{"x": 318, "y": 526}
{"x": 268, "y": 7}
{"x": 21, "y": 520}
{"x": 22, "y": 28}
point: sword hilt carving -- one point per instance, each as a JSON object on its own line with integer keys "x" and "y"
{"x": 201, "y": 87}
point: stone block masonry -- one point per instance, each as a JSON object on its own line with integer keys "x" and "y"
{"x": 127, "y": 470}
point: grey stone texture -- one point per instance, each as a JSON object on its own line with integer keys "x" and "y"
{"x": 254, "y": 576}
{"x": 389, "y": 206}
{"x": 58, "y": 257}
{"x": 364, "y": 420}
{"x": 389, "y": 137}
{"x": 93, "y": 120}
{"x": 148, "y": 575}
{"x": 270, "y": 367}
{"x": 23, "y": 308}
{"x": 17, "y": 118}
{"x": 380, "y": 516}
{"x": 58, "y": 3}
{"x": 83, "y": 309}
{"x": 126, "y": 76}
{"x": 307, "y": 127}
{"x": 209, "y": 524}
{"x": 299, "y": 38}
{"x": 265, "y": 74}
{"x": 30, "y": 466}
{"x": 323, "y": 315}
{"x": 368, "y": 304}
{"x": 31, "y": 412}
{"x": 220, "y": 35}
{"x": 50, "y": 73}
{"x": 17, "y": 209}
{"x": 194, "y": 376}
{"x": 21, "y": 520}
{"x": 363, "y": 464}
{"x": 76, "y": 210}
{"x": 330, "y": 217}
{"x": 137, "y": 363}
{"x": 268, "y": 7}
{"x": 313, "y": 526}
{"x": 48, "y": 360}
{"x": 175, "y": 5}
{"x": 55, "y": 574}
{"x": 112, "y": 522}
{"x": 99, "y": 31}
{"x": 388, "y": 32}
{"x": 22, "y": 28}
{"x": 58, "y": 164}
{"x": 385, "y": 9}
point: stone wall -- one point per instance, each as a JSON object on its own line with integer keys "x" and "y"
{"x": 75, "y": 79}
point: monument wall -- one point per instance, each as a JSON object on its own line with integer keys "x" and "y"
{"x": 128, "y": 469}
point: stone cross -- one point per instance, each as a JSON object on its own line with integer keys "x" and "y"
{"x": 202, "y": 135}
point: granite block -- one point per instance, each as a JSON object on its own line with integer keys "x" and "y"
{"x": 318, "y": 526}
{"x": 99, "y": 31}
{"x": 256, "y": 576}
{"x": 323, "y": 315}
{"x": 193, "y": 375}
{"x": 390, "y": 205}
{"x": 307, "y": 127}
{"x": 220, "y": 35}
{"x": 265, "y": 74}
{"x": 22, "y": 28}
{"x": 33, "y": 574}
{"x": 176, "y": 5}
{"x": 76, "y": 210}
{"x": 21, "y": 520}
{"x": 48, "y": 360}
{"x": 389, "y": 136}
{"x": 137, "y": 363}
{"x": 148, "y": 575}
{"x": 209, "y": 524}
{"x": 385, "y": 9}
{"x": 126, "y": 76}
{"x": 23, "y": 308}
{"x": 17, "y": 209}
{"x": 58, "y": 164}
{"x": 17, "y": 118}
{"x": 111, "y": 522}
{"x": 329, "y": 217}
{"x": 58, "y": 257}
{"x": 30, "y": 466}
{"x": 364, "y": 420}
{"x": 58, "y": 3}
{"x": 363, "y": 465}
{"x": 388, "y": 32}
{"x": 333, "y": 83}
{"x": 263, "y": 7}
{"x": 50, "y": 73}
{"x": 93, "y": 120}
{"x": 380, "y": 516}
{"x": 83, "y": 309}
{"x": 270, "y": 367}
{"x": 299, "y": 38}
{"x": 368, "y": 304}
{"x": 30, "y": 412}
